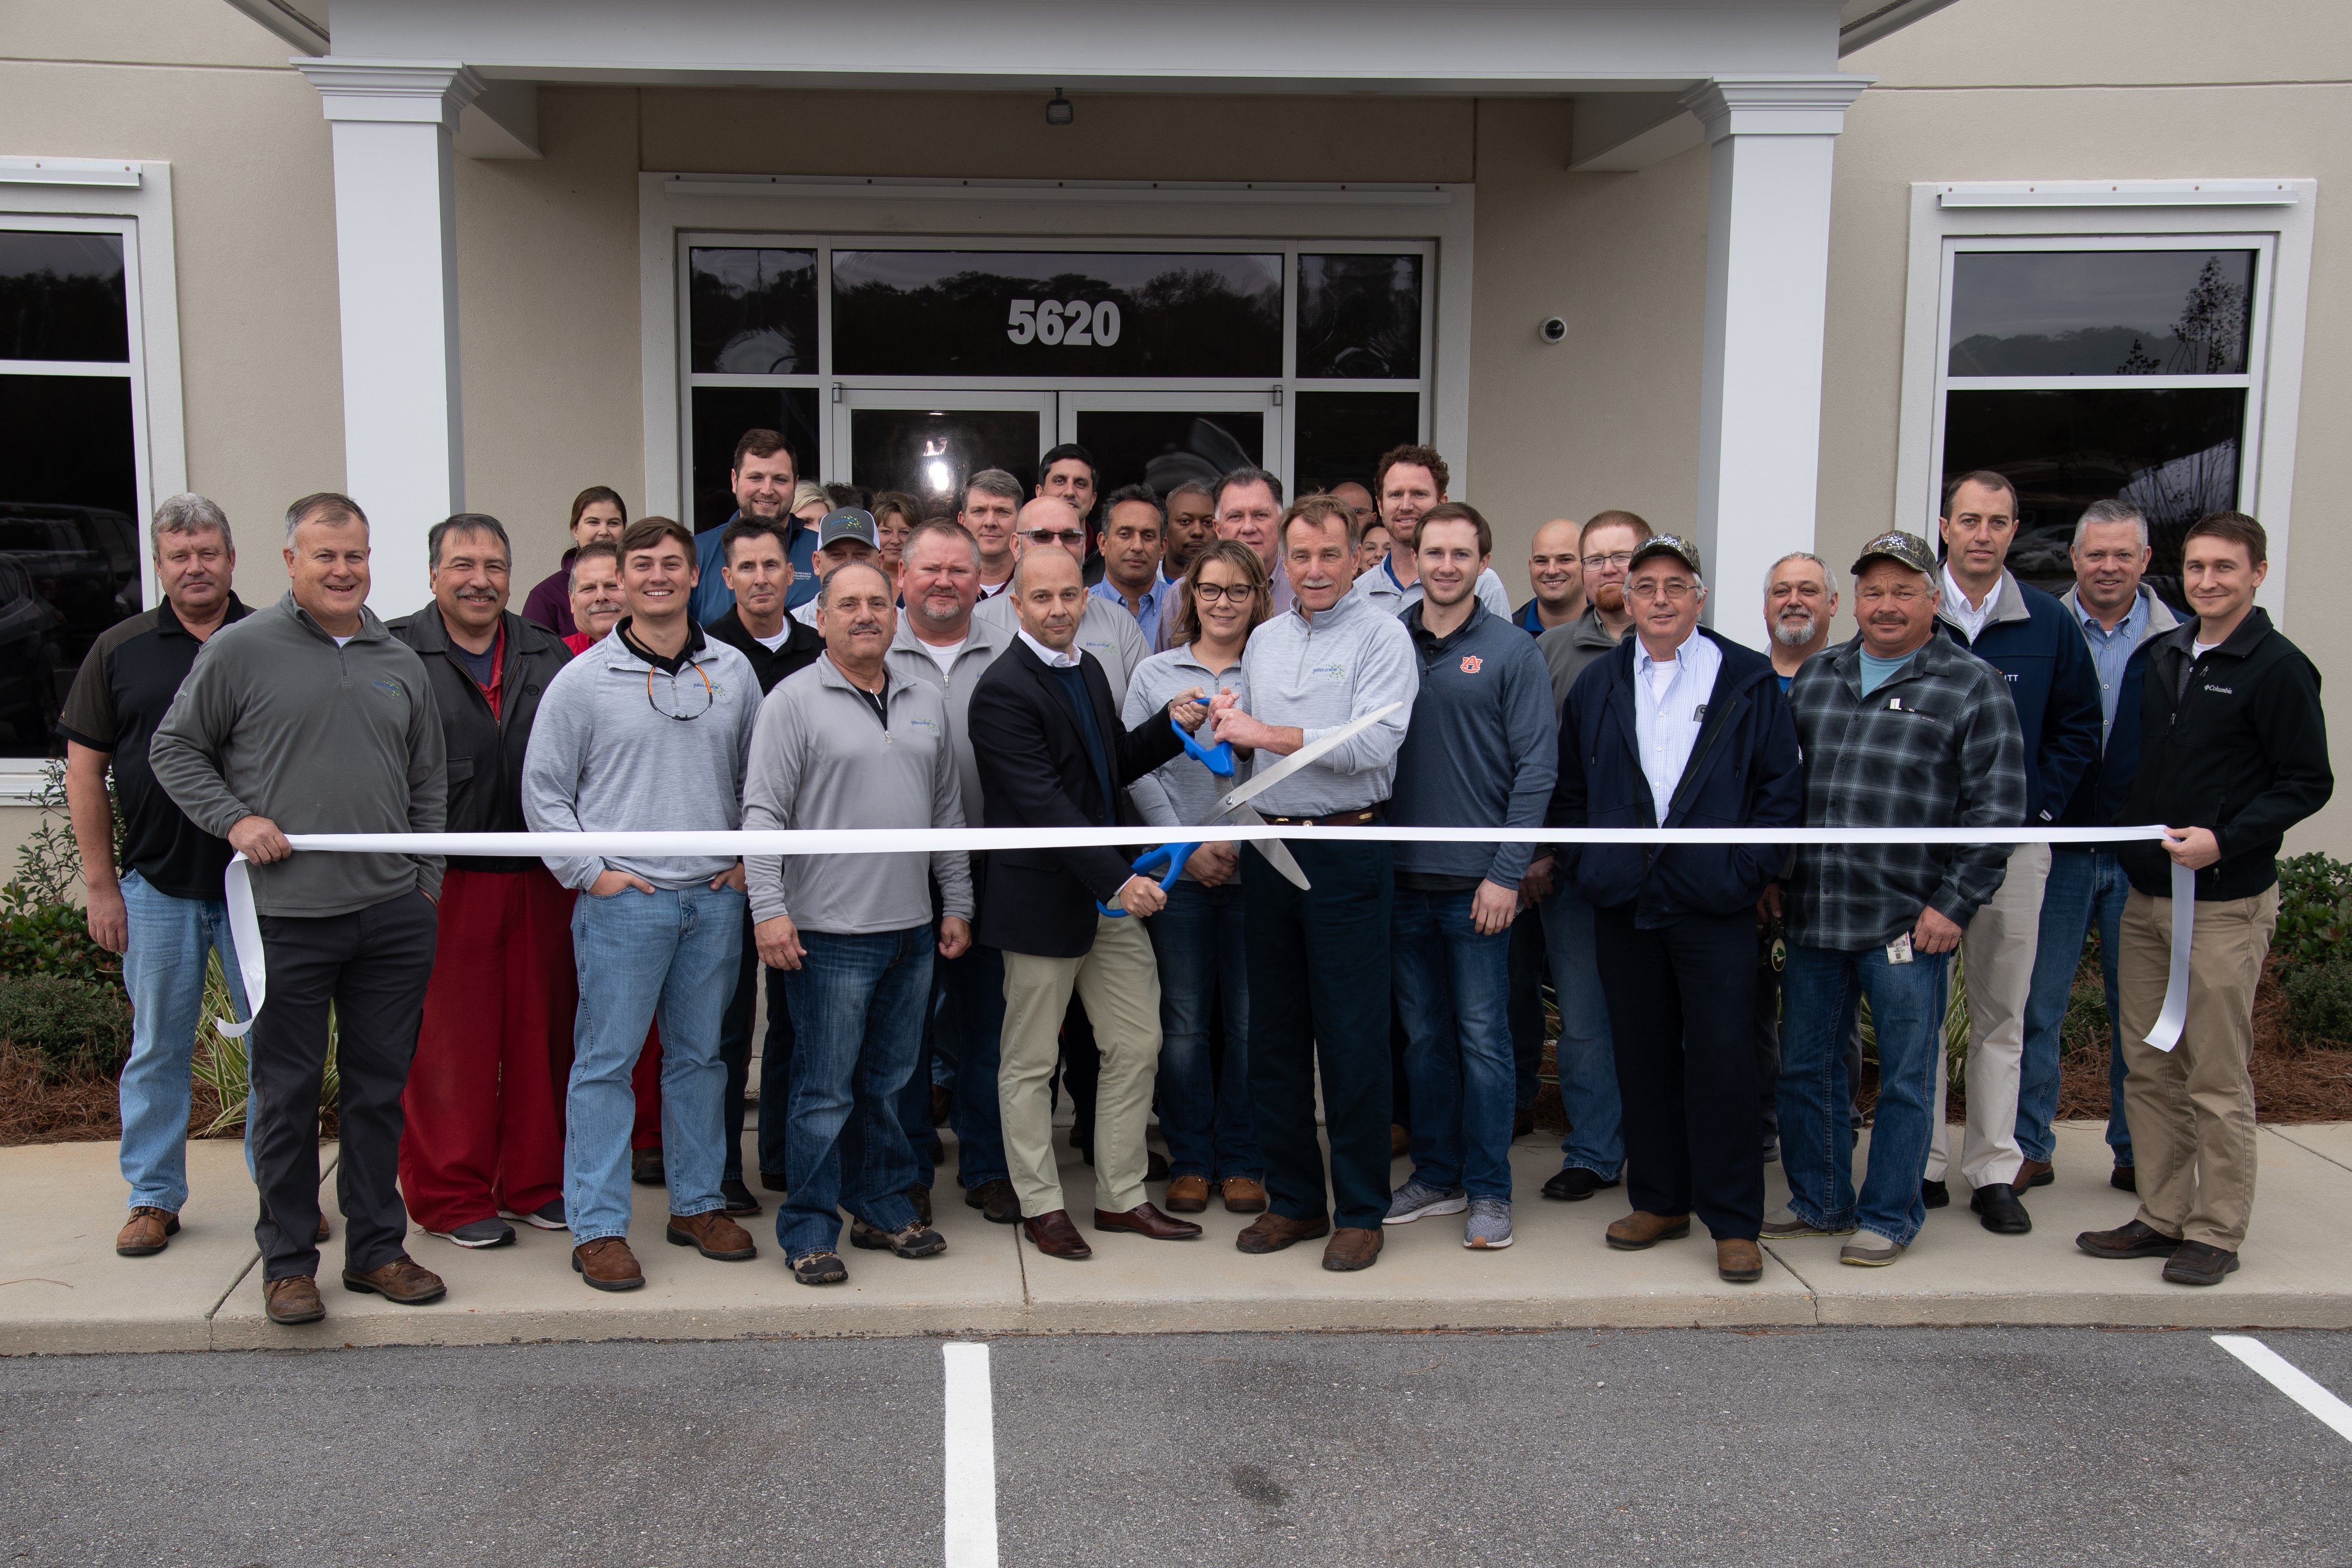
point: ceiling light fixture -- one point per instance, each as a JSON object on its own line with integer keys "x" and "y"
{"x": 1060, "y": 111}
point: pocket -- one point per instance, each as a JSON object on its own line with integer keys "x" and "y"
{"x": 460, "y": 768}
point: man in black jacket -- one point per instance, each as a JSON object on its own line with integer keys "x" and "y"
{"x": 1051, "y": 754}
{"x": 756, "y": 561}
{"x": 484, "y": 1103}
{"x": 1677, "y": 728}
{"x": 2234, "y": 753}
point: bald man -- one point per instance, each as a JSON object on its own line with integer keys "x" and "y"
{"x": 1555, "y": 572}
{"x": 1106, "y": 629}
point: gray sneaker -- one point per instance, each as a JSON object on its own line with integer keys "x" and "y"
{"x": 1869, "y": 1249}
{"x": 1488, "y": 1229}
{"x": 1787, "y": 1223}
{"x": 1416, "y": 1199}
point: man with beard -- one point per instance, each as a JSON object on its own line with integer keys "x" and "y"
{"x": 764, "y": 477}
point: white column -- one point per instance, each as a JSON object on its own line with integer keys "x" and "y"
{"x": 397, "y": 260}
{"x": 1767, "y": 255}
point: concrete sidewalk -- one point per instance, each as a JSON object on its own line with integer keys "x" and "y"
{"x": 62, "y": 1289}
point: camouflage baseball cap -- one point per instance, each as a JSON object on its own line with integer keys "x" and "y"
{"x": 1895, "y": 545}
{"x": 1675, "y": 544}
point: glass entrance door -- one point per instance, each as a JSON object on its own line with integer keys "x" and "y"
{"x": 928, "y": 444}
{"x": 1165, "y": 439}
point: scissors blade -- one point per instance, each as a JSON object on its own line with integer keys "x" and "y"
{"x": 1265, "y": 778}
{"x": 1276, "y": 852}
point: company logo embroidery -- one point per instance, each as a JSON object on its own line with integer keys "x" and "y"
{"x": 1472, "y": 664}
{"x": 2219, "y": 690}
{"x": 924, "y": 724}
{"x": 392, "y": 686}
{"x": 1335, "y": 670}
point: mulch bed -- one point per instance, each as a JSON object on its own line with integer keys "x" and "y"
{"x": 86, "y": 1108}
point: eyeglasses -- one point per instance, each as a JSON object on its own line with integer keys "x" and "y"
{"x": 1619, "y": 559}
{"x": 709, "y": 696}
{"x": 1063, "y": 536}
{"x": 1224, "y": 592}
{"x": 1673, "y": 588}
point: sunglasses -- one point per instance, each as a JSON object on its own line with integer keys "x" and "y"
{"x": 1065, "y": 537}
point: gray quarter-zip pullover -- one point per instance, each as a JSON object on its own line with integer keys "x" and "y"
{"x": 1316, "y": 675}
{"x": 984, "y": 640}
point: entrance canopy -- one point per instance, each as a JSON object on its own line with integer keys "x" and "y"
{"x": 409, "y": 84}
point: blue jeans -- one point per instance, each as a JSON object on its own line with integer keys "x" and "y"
{"x": 1453, "y": 987}
{"x": 1203, "y": 952}
{"x": 163, "y": 970}
{"x": 965, "y": 1029}
{"x": 673, "y": 954}
{"x": 2084, "y": 885}
{"x": 1906, "y": 1008}
{"x": 857, "y": 1007}
{"x": 1587, "y": 1056}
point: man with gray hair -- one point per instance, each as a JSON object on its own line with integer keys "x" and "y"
{"x": 312, "y": 717}
{"x": 163, "y": 911}
{"x": 991, "y": 501}
{"x": 2117, "y": 612}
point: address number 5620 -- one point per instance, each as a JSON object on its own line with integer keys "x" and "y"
{"x": 1082, "y": 322}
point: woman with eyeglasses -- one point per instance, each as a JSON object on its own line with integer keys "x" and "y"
{"x": 1204, "y": 1106}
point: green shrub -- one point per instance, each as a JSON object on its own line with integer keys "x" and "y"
{"x": 74, "y": 1027}
{"x": 2319, "y": 1000}
{"x": 2315, "y": 917}
{"x": 53, "y": 940}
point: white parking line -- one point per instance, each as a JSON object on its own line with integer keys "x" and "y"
{"x": 970, "y": 1490}
{"x": 2288, "y": 1379}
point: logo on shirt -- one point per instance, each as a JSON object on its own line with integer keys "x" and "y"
{"x": 1472, "y": 664}
{"x": 1334, "y": 671}
{"x": 931, "y": 726}
{"x": 392, "y": 687}
{"x": 2221, "y": 691}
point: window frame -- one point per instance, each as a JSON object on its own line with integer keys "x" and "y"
{"x": 132, "y": 198}
{"x": 2272, "y": 217}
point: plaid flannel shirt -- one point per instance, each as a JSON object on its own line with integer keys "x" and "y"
{"x": 1938, "y": 745}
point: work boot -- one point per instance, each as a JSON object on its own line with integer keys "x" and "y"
{"x": 997, "y": 1202}
{"x": 1188, "y": 1194}
{"x": 1737, "y": 1261}
{"x": 713, "y": 1235}
{"x": 1642, "y": 1228}
{"x": 607, "y": 1264}
{"x": 1244, "y": 1195}
{"x": 1353, "y": 1247}
{"x": 402, "y": 1281}
{"x": 147, "y": 1232}
{"x": 293, "y": 1299}
{"x": 1271, "y": 1232}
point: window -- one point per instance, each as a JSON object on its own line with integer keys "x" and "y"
{"x": 2107, "y": 348}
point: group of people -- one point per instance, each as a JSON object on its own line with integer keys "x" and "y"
{"x": 518, "y": 1038}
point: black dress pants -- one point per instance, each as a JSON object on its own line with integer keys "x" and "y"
{"x": 1682, "y": 1002}
{"x": 775, "y": 1065}
{"x": 372, "y": 966}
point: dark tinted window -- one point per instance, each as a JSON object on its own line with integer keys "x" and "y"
{"x": 752, "y": 312}
{"x": 1164, "y": 448}
{"x": 1359, "y": 316}
{"x": 2101, "y": 312}
{"x": 2176, "y": 453}
{"x": 1342, "y": 434}
{"x": 968, "y": 313}
{"x": 721, "y": 414}
{"x": 61, "y": 296}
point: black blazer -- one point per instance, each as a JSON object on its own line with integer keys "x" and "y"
{"x": 1034, "y": 773}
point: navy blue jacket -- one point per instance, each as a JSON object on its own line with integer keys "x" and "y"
{"x": 1744, "y": 772}
{"x": 2037, "y": 646}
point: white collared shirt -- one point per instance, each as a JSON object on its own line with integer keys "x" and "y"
{"x": 1054, "y": 660}
{"x": 1971, "y": 617}
{"x": 1669, "y": 706}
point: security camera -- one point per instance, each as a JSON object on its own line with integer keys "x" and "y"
{"x": 1554, "y": 329}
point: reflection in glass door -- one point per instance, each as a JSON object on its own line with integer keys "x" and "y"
{"x": 928, "y": 443}
{"x": 1167, "y": 439}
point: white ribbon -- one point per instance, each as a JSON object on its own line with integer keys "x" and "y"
{"x": 247, "y": 930}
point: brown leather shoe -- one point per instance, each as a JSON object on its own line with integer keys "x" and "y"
{"x": 1642, "y": 1228}
{"x": 1739, "y": 1260}
{"x": 1272, "y": 1232}
{"x": 1352, "y": 1247}
{"x": 403, "y": 1280}
{"x": 293, "y": 1299}
{"x": 607, "y": 1264}
{"x": 713, "y": 1235}
{"x": 147, "y": 1232}
{"x": 1244, "y": 1195}
{"x": 1400, "y": 1140}
{"x": 2034, "y": 1172}
{"x": 324, "y": 1230}
{"x": 1055, "y": 1237}
{"x": 1145, "y": 1221}
{"x": 997, "y": 1202}
{"x": 1188, "y": 1194}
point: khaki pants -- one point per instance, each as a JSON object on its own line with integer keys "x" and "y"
{"x": 1118, "y": 980}
{"x": 1998, "y": 950}
{"x": 2191, "y": 1109}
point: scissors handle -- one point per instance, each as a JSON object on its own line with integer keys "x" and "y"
{"x": 1175, "y": 855}
{"x": 1218, "y": 759}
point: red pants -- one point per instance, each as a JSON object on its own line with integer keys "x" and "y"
{"x": 484, "y": 1098}
{"x": 645, "y": 1083}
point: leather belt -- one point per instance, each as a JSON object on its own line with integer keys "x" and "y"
{"x": 1355, "y": 819}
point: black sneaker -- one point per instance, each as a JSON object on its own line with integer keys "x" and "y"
{"x": 491, "y": 1233}
{"x": 738, "y": 1197}
{"x": 1574, "y": 1184}
{"x": 2197, "y": 1263}
{"x": 914, "y": 1240}
{"x": 2136, "y": 1239}
{"x": 819, "y": 1269}
{"x": 548, "y": 1215}
{"x": 645, "y": 1167}
{"x": 1996, "y": 1204}
{"x": 1935, "y": 1193}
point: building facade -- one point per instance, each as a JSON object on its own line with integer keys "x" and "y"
{"x": 1761, "y": 270}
